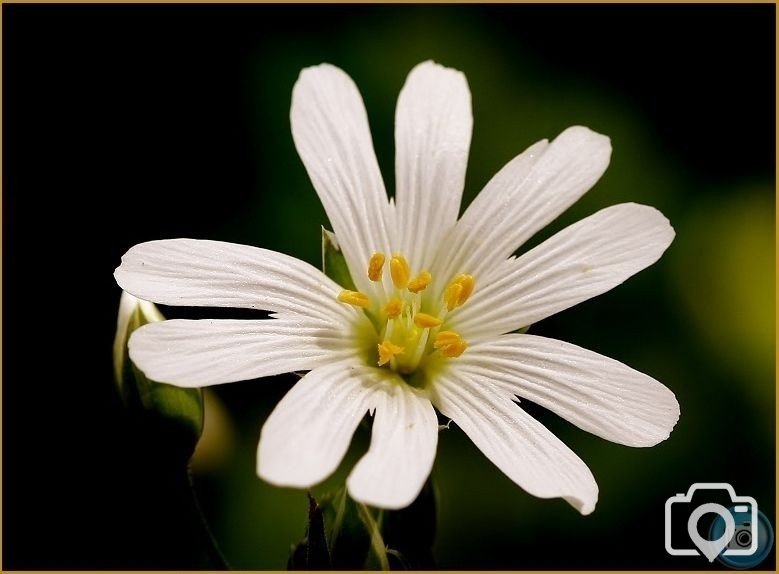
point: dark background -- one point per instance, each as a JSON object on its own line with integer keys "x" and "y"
{"x": 128, "y": 123}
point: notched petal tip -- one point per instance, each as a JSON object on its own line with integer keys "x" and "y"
{"x": 584, "y": 507}
{"x": 324, "y": 67}
{"x": 596, "y": 145}
{"x": 433, "y": 67}
{"x": 584, "y": 134}
{"x": 651, "y": 219}
{"x": 430, "y": 77}
{"x": 583, "y": 499}
{"x": 315, "y": 78}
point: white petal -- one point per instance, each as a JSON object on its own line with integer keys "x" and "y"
{"x": 433, "y": 124}
{"x": 522, "y": 198}
{"x": 331, "y": 133}
{"x": 309, "y": 431}
{"x": 596, "y": 393}
{"x": 586, "y": 259}
{"x": 526, "y": 451}
{"x": 403, "y": 445}
{"x": 216, "y": 274}
{"x": 209, "y": 352}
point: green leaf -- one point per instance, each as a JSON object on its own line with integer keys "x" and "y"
{"x": 176, "y": 414}
{"x": 333, "y": 261}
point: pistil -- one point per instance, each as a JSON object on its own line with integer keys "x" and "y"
{"x": 407, "y": 332}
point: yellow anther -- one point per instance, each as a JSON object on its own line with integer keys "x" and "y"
{"x": 420, "y": 282}
{"x": 452, "y": 295}
{"x": 455, "y": 349}
{"x": 376, "y": 266}
{"x": 426, "y": 321}
{"x": 458, "y": 291}
{"x": 393, "y": 308}
{"x": 450, "y": 344}
{"x": 445, "y": 338}
{"x": 387, "y": 350}
{"x": 468, "y": 283}
{"x": 399, "y": 270}
{"x": 354, "y": 298}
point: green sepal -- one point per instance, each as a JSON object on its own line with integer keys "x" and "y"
{"x": 359, "y": 537}
{"x": 333, "y": 261}
{"x": 350, "y": 532}
{"x": 175, "y": 413}
{"x": 312, "y": 552}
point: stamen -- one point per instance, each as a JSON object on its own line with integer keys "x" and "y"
{"x": 445, "y": 338}
{"x": 354, "y": 298}
{"x": 454, "y": 350}
{"x": 420, "y": 282}
{"x": 450, "y": 344}
{"x": 399, "y": 270}
{"x": 458, "y": 291}
{"x": 426, "y": 321}
{"x": 451, "y": 295}
{"x": 468, "y": 283}
{"x": 393, "y": 308}
{"x": 376, "y": 266}
{"x": 406, "y": 334}
{"x": 387, "y": 350}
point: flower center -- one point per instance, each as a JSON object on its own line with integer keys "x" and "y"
{"x": 408, "y": 329}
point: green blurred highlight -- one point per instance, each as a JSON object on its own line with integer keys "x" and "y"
{"x": 728, "y": 293}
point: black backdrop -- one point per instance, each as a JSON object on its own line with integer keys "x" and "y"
{"x": 99, "y": 109}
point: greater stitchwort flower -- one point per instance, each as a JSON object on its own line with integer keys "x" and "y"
{"x": 433, "y": 315}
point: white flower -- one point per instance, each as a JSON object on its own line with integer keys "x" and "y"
{"x": 436, "y": 303}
